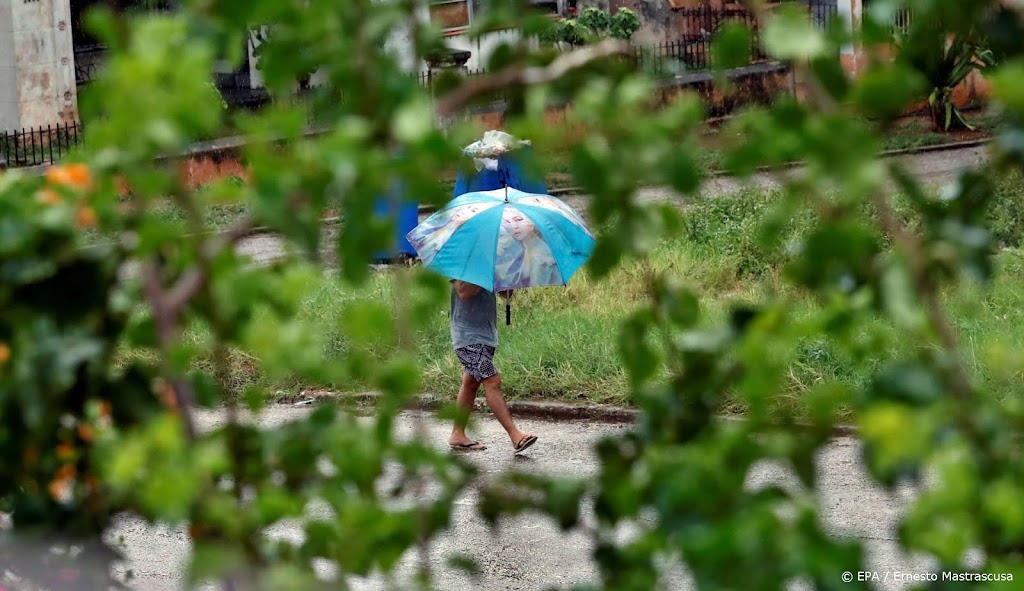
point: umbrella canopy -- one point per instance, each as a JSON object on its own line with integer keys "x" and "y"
{"x": 504, "y": 239}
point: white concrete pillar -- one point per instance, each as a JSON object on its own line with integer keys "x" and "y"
{"x": 9, "y": 117}
{"x": 255, "y": 75}
{"x": 37, "y": 69}
{"x": 851, "y": 12}
{"x": 64, "y": 46}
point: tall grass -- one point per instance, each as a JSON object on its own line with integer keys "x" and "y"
{"x": 563, "y": 342}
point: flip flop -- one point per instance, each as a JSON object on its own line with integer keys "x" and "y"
{"x": 471, "y": 446}
{"x": 525, "y": 442}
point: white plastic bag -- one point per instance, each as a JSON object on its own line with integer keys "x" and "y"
{"x": 494, "y": 144}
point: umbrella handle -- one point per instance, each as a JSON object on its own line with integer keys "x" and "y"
{"x": 508, "y": 313}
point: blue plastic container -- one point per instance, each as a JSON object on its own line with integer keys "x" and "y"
{"x": 405, "y": 215}
{"x": 510, "y": 172}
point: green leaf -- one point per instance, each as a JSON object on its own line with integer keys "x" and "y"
{"x": 211, "y": 560}
{"x": 731, "y": 47}
{"x": 466, "y": 564}
{"x": 641, "y": 360}
{"x": 789, "y": 34}
{"x": 885, "y": 91}
{"x": 400, "y": 377}
{"x": 368, "y": 322}
{"x": 896, "y": 440}
{"x": 290, "y": 577}
{"x": 606, "y": 256}
{"x": 413, "y": 122}
{"x": 899, "y": 296}
{"x": 909, "y": 382}
{"x": 684, "y": 174}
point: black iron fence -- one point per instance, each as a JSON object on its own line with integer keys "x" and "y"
{"x": 82, "y": 37}
{"x": 822, "y": 12}
{"x": 40, "y": 145}
{"x": 901, "y": 21}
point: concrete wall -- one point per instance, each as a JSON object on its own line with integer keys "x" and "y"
{"x": 9, "y": 111}
{"x": 37, "y": 77}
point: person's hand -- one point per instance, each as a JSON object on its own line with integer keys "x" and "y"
{"x": 465, "y": 290}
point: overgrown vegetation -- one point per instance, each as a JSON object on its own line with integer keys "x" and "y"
{"x": 834, "y": 299}
{"x": 555, "y": 347}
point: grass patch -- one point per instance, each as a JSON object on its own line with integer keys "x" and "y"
{"x": 216, "y": 216}
{"x": 563, "y": 342}
{"x": 917, "y": 132}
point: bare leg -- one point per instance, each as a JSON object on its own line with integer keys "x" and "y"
{"x": 464, "y": 404}
{"x": 495, "y": 400}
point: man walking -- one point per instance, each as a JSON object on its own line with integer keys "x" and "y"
{"x": 474, "y": 320}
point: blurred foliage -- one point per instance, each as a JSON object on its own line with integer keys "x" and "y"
{"x": 83, "y": 440}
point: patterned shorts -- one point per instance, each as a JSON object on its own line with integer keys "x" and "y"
{"x": 478, "y": 361}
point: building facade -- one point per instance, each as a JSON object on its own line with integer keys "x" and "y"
{"x": 46, "y": 54}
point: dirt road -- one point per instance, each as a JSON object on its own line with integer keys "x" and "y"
{"x": 530, "y": 552}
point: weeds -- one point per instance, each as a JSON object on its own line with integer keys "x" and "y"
{"x": 563, "y": 343}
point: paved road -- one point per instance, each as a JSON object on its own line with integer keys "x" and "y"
{"x": 529, "y": 552}
{"x": 934, "y": 168}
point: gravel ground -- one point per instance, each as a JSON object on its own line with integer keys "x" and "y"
{"x": 530, "y": 552}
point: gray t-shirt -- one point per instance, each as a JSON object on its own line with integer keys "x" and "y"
{"x": 474, "y": 321}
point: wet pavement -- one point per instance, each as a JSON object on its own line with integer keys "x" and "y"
{"x": 530, "y": 551}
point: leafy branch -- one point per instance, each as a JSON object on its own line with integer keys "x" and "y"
{"x": 519, "y": 75}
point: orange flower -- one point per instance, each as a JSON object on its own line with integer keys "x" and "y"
{"x": 65, "y": 451}
{"x": 48, "y": 197}
{"x": 5, "y": 354}
{"x": 85, "y": 432}
{"x": 60, "y": 486}
{"x": 75, "y": 176}
{"x": 85, "y": 217}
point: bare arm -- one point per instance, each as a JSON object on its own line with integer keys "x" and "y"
{"x": 465, "y": 290}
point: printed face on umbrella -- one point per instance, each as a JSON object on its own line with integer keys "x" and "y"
{"x": 462, "y": 214}
{"x": 520, "y": 227}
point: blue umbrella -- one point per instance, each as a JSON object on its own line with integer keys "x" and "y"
{"x": 504, "y": 239}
